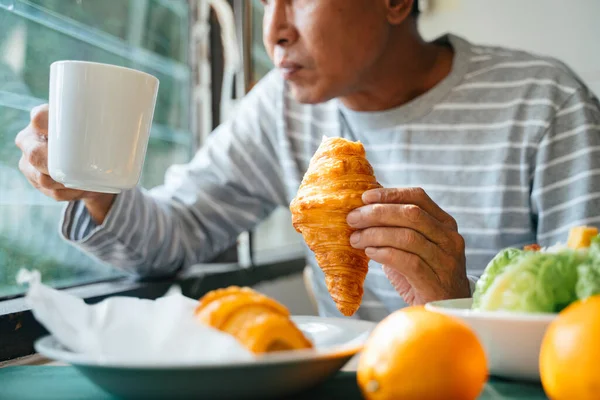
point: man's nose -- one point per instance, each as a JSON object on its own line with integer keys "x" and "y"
{"x": 278, "y": 24}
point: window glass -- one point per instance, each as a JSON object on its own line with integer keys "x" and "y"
{"x": 157, "y": 26}
{"x": 149, "y": 35}
{"x": 260, "y": 61}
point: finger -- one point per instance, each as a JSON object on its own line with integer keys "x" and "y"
{"x": 39, "y": 119}
{"x": 24, "y": 136}
{"x": 46, "y": 182}
{"x": 418, "y": 274}
{"x": 63, "y": 194}
{"x": 416, "y": 196}
{"x": 407, "y": 240}
{"x": 402, "y": 216}
{"x": 52, "y": 188}
{"x": 35, "y": 149}
{"x": 28, "y": 171}
{"x": 37, "y": 178}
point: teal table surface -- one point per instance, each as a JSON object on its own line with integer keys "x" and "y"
{"x": 66, "y": 383}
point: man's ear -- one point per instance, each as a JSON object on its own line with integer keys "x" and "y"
{"x": 399, "y": 10}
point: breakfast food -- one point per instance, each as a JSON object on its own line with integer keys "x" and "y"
{"x": 542, "y": 280}
{"x": 570, "y": 351}
{"x": 581, "y": 237}
{"x": 532, "y": 247}
{"x": 408, "y": 357}
{"x": 337, "y": 176}
{"x": 259, "y": 323}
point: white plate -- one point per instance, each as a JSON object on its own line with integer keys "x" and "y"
{"x": 511, "y": 340}
{"x": 271, "y": 376}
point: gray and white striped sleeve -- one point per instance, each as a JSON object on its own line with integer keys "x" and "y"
{"x": 566, "y": 178}
{"x": 232, "y": 183}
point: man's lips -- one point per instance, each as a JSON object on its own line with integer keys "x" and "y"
{"x": 289, "y": 69}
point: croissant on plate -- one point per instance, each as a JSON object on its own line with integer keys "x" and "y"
{"x": 337, "y": 176}
{"x": 259, "y": 323}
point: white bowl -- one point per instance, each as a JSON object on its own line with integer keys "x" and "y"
{"x": 277, "y": 375}
{"x": 511, "y": 340}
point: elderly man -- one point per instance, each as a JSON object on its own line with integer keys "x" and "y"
{"x": 494, "y": 147}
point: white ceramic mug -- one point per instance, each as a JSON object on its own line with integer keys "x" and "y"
{"x": 99, "y": 125}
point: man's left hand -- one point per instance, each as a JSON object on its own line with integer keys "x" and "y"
{"x": 418, "y": 244}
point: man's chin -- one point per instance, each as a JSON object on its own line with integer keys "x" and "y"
{"x": 307, "y": 95}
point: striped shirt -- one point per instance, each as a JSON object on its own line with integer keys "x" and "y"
{"x": 508, "y": 143}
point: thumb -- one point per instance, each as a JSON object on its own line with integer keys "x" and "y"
{"x": 39, "y": 119}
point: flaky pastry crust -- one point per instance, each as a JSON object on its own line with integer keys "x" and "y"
{"x": 338, "y": 175}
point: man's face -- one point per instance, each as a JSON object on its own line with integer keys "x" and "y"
{"x": 325, "y": 48}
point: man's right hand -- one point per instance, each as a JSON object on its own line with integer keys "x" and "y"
{"x": 33, "y": 142}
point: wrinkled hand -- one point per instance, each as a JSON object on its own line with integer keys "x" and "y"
{"x": 418, "y": 244}
{"x": 33, "y": 142}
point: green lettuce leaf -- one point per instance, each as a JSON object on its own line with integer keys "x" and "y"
{"x": 594, "y": 250}
{"x": 530, "y": 281}
{"x": 494, "y": 268}
{"x": 588, "y": 280}
{"x": 534, "y": 282}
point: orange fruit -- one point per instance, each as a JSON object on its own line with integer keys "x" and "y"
{"x": 419, "y": 354}
{"x": 570, "y": 353}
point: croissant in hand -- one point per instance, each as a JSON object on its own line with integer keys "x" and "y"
{"x": 337, "y": 176}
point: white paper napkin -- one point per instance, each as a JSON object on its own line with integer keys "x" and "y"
{"x": 130, "y": 330}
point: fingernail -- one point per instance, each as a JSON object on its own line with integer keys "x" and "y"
{"x": 370, "y": 251}
{"x": 353, "y": 217}
{"x": 355, "y": 238}
{"x": 372, "y": 196}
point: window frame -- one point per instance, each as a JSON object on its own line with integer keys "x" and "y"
{"x": 18, "y": 327}
{"x": 34, "y": 13}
